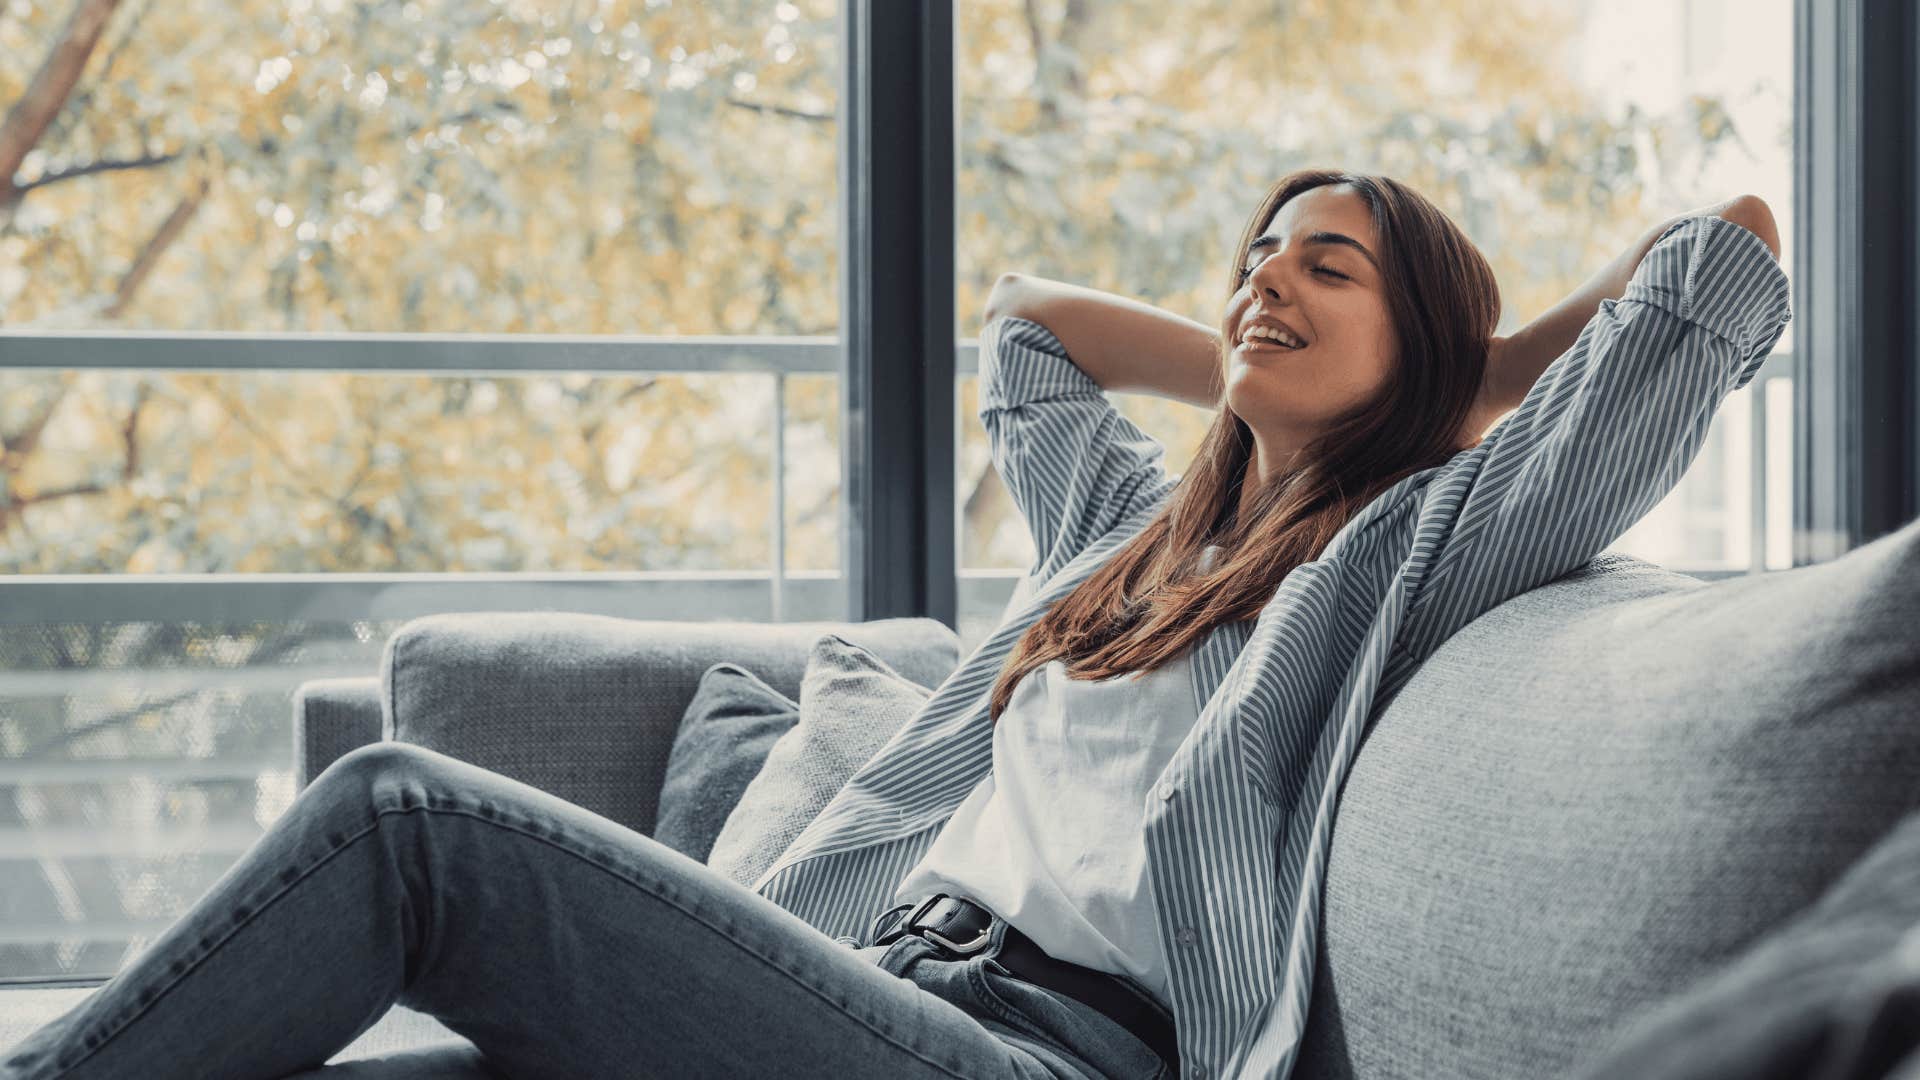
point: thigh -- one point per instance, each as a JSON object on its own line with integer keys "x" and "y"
{"x": 564, "y": 944}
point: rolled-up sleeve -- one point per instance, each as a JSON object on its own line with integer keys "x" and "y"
{"x": 1606, "y": 431}
{"x": 1074, "y": 465}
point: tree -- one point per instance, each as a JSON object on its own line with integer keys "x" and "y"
{"x": 661, "y": 169}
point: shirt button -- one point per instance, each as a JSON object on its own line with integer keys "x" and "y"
{"x": 1166, "y": 790}
{"x": 1195, "y": 1072}
{"x": 1186, "y": 936}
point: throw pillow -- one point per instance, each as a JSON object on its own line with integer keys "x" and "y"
{"x": 1834, "y": 994}
{"x": 851, "y": 703}
{"x": 723, "y": 740}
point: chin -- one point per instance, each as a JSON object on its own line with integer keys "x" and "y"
{"x": 1262, "y": 412}
{"x": 1255, "y": 404}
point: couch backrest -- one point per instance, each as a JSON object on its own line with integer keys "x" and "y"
{"x": 1597, "y": 792}
{"x": 587, "y": 706}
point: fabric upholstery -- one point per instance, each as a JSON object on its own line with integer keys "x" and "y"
{"x": 586, "y": 706}
{"x": 729, "y": 728}
{"x": 1600, "y": 790}
{"x": 331, "y": 717}
{"x": 851, "y": 703}
{"x": 1833, "y": 995}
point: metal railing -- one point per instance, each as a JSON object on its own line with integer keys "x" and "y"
{"x": 774, "y": 594}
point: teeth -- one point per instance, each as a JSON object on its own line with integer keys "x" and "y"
{"x": 1267, "y": 333}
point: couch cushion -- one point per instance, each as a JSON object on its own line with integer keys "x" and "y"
{"x": 724, "y": 738}
{"x": 851, "y": 703}
{"x": 1599, "y": 790}
{"x": 1835, "y": 993}
{"x": 586, "y": 706}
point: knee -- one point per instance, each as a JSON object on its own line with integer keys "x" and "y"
{"x": 368, "y": 769}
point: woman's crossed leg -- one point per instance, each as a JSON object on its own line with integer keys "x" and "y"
{"x": 560, "y": 943}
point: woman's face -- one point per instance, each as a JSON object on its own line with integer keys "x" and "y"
{"x": 1309, "y": 274}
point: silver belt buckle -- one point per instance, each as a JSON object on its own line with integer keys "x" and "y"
{"x": 961, "y": 948}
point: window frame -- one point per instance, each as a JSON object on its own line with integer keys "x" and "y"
{"x": 1856, "y": 457}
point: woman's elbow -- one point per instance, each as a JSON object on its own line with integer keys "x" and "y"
{"x": 1004, "y": 298}
{"x": 1752, "y": 213}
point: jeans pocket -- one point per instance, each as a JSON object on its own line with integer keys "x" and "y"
{"x": 1067, "y": 1024}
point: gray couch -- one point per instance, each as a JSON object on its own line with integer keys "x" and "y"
{"x": 1586, "y": 802}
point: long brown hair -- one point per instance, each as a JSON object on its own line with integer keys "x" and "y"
{"x": 1148, "y": 602}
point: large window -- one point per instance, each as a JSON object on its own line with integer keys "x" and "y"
{"x": 305, "y": 294}
{"x": 1098, "y": 149}
{"x": 318, "y": 314}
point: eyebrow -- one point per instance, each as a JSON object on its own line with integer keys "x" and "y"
{"x": 1314, "y": 238}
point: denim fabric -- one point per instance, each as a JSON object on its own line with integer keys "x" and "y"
{"x": 560, "y": 943}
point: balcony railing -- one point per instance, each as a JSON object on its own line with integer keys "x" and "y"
{"x": 773, "y": 594}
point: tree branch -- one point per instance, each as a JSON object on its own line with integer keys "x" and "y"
{"x": 63, "y": 739}
{"x": 15, "y": 508}
{"x": 29, "y": 118}
{"x": 163, "y": 237}
{"x": 76, "y": 107}
{"x": 143, "y": 391}
{"x": 25, "y": 443}
{"x": 280, "y": 648}
{"x": 92, "y": 167}
{"x": 782, "y": 110}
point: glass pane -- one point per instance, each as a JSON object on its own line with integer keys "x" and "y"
{"x": 137, "y": 762}
{"x": 1096, "y": 151}
{"x": 811, "y": 475}
{"x": 165, "y": 472}
{"x": 637, "y": 167}
{"x": 609, "y": 167}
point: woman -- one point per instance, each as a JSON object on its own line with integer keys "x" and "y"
{"x": 993, "y": 895}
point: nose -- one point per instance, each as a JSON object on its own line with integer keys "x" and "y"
{"x": 1267, "y": 276}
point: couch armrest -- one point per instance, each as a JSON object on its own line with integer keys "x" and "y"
{"x": 586, "y": 706}
{"x": 331, "y": 717}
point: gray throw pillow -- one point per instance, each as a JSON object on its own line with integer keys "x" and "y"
{"x": 724, "y": 738}
{"x": 851, "y": 703}
{"x": 1833, "y": 994}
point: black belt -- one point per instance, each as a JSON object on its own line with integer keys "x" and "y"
{"x": 961, "y": 927}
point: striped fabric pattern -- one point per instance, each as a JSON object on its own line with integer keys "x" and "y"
{"x": 1238, "y": 828}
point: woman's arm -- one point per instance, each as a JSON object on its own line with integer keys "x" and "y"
{"x": 1612, "y": 426}
{"x": 1122, "y": 344}
{"x": 1516, "y": 362}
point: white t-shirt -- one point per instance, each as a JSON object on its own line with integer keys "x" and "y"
{"x": 1050, "y": 839}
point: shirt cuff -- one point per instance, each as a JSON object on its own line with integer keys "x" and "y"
{"x": 1718, "y": 275}
{"x": 1022, "y": 361}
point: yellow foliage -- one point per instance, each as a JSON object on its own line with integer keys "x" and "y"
{"x": 671, "y": 170}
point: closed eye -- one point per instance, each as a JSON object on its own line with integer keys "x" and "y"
{"x": 1247, "y": 272}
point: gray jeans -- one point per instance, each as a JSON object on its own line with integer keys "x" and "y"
{"x": 560, "y": 943}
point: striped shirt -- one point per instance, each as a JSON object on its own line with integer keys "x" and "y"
{"x": 1050, "y": 839}
{"x": 1238, "y": 826}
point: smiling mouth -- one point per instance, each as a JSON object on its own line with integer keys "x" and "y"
{"x": 1265, "y": 345}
